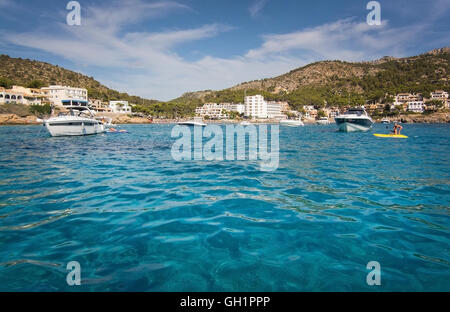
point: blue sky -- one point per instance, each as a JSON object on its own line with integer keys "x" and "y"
{"x": 161, "y": 49}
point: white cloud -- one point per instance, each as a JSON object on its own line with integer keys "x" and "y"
{"x": 146, "y": 64}
{"x": 256, "y": 7}
{"x": 343, "y": 39}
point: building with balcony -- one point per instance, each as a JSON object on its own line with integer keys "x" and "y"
{"x": 274, "y": 110}
{"x": 60, "y": 95}
{"x": 439, "y": 95}
{"x": 99, "y": 106}
{"x": 218, "y": 111}
{"x": 10, "y": 96}
{"x": 255, "y": 106}
{"x": 416, "y": 106}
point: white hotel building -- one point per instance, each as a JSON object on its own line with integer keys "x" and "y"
{"x": 255, "y": 106}
{"x": 64, "y": 95}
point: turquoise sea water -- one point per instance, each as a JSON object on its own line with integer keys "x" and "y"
{"x": 136, "y": 220}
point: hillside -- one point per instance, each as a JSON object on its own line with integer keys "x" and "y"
{"x": 343, "y": 83}
{"x": 24, "y": 72}
{"x": 335, "y": 83}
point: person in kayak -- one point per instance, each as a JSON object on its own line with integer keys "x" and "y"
{"x": 397, "y": 128}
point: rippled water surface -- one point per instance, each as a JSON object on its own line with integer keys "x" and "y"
{"x": 136, "y": 220}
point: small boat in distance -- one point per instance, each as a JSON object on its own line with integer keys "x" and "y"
{"x": 196, "y": 122}
{"x": 354, "y": 119}
{"x": 291, "y": 123}
{"x": 79, "y": 120}
{"x": 323, "y": 121}
{"x": 385, "y": 121}
{"x": 245, "y": 123}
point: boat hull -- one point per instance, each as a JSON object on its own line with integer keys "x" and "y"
{"x": 354, "y": 125}
{"x": 74, "y": 128}
{"x": 291, "y": 123}
{"x": 192, "y": 124}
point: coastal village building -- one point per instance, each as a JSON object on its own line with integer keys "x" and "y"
{"x": 417, "y": 103}
{"x": 121, "y": 107}
{"x": 64, "y": 95}
{"x": 10, "y": 96}
{"x": 212, "y": 110}
{"x": 402, "y": 100}
{"x": 99, "y": 106}
{"x": 219, "y": 111}
{"x": 274, "y": 110}
{"x": 416, "y": 106}
{"x": 439, "y": 95}
{"x": 255, "y": 106}
{"x": 238, "y": 108}
{"x": 32, "y": 96}
{"x": 310, "y": 112}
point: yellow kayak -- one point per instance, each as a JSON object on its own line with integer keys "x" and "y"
{"x": 398, "y": 136}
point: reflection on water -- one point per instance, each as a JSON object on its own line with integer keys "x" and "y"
{"x": 137, "y": 220}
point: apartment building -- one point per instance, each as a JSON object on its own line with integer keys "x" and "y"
{"x": 439, "y": 95}
{"x": 99, "y": 106}
{"x": 10, "y": 96}
{"x": 65, "y": 95}
{"x": 255, "y": 106}
{"x": 219, "y": 111}
{"x": 416, "y": 106}
{"x": 274, "y": 110}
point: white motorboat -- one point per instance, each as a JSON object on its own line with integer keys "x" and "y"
{"x": 385, "y": 121}
{"x": 323, "y": 121}
{"x": 196, "y": 122}
{"x": 245, "y": 123}
{"x": 354, "y": 119}
{"x": 79, "y": 120}
{"x": 291, "y": 123}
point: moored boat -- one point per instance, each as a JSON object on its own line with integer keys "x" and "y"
{"x": 354, "y": 119}
{"x": 323, "y": 121}
{"x": 195, "y": 122}
{"x": 291, "y": 123}
{"x": 79, "y": 120}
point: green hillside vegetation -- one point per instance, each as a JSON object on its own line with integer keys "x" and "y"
{"x": 336, "y": 83}
{"x": 35, "y": 74}
{"x": 332, "y": 83}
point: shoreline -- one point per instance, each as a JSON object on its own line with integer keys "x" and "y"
{"x": 435, "y": 118}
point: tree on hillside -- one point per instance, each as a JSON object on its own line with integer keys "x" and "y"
{"x": 37, "y": 84}
{"x": 6, "y": 83}
{"x": 321, "y": 113}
